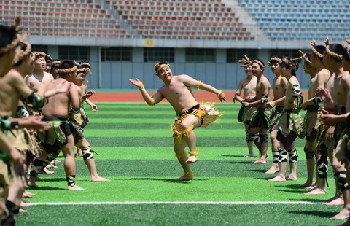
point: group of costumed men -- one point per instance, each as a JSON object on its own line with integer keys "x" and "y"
{"x": 325, "y": 125}
{"x": 41, "y": 114}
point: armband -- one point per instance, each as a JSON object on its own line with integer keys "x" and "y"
{"x": 35, "y": 100}
{"x": 316, "y": 100}
{"x": 142, "y": 86}
{"x": 264, "y": 99}
{"x": 296, "y": 91}
{"x": 200, "y": 84}
{"x": 7, "y": 125}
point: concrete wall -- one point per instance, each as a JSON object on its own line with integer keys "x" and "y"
{"x": 222, "y": 75}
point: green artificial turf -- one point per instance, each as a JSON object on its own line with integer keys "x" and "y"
{"x": 135, "y": 149}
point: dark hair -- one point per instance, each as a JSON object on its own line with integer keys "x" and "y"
{"x": 347, "y": 53}
{"x": 290, "y": 64}
{"x": 321, "y": 49}
{"x": 67, "y": 64}
{"x": 23, "y": 47}
{"x": 7, "y": 35}
{"x": 338, "y": 49}
{"x": 156, "y": 66}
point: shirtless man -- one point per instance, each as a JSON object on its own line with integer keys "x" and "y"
{"x": 40, "y": 76}
{"x": 337, "y": 101}
{"x": 79, "y": 120}
{"x": 58, "y": 107}
{"x": 260, "y": 120}
{"x": 13, "y": 83}
{"x": 323, "y": 79}
{"x": 245, "y": 114}
{"x": 279, "y": 94}
{"x": 290, "y": 124}
{"x": 319, "y": 75}
{"x": 177, "y": 90}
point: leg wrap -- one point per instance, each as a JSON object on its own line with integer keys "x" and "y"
{"x": 10, "y": 217}
{"x": 37, "y": 166}
{"x": 252, "y": 137}
{"x": 263, "y": 138}
{"x": 71, "y": 180}
{"x": 247, "y": 137}
{"x": 283, "y": 155}
{"x": 322, "y": 167}
{"x": 341, "y": 180}
{"x": 275, "y": 157}
{"x": 87, "y": 153}
{"x": 293, "y": 156}
{"x": 309, "y": 154}
{"x": 194, "y": 152}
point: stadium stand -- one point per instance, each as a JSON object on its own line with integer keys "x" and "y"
{"x": 201, "y": 19}
{"x": 301, "y": 19}
{"x": 62, "y": 18}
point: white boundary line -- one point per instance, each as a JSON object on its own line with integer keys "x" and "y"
{"x": 175, "y": 202}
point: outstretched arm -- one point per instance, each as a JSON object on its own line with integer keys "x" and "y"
{"x": 188, "y": 81}
{"x": 155, "y": 99}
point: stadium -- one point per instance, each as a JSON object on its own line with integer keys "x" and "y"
{"x": 123, "y": 39}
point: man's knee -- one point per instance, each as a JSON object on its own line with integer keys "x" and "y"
{"x": 263, "y": 137}
{"x": 322, "y": 167}
{"x": 310, "y": 154}
{"x": 341, "y": 180}
{"x": 87, "y": 153}
{"x": 293, "y": 156}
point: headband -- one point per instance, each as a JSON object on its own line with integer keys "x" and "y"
{"x": 66, "y": 71}
{"x": 331, "y": 53}
{"x": 313, "y": 49}
{"x": 274, "y": 59}
{"x": 19, "y": 38}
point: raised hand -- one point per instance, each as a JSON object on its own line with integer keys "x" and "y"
{"x": 94, "y": 107}
{"x": 222, "y": 96}
{"x": 136, "y": 82}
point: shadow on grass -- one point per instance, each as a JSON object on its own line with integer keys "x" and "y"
{"x": 314, "y": 213}
{"x": 53, "y": 180}
{"x": 169, "y": 180}
{"x": 238, "y": 156}
{"x": 45, "y": 188}
{"x": 292, "y": 186}
{"x": 258, "y": 171}
{"x": 320, "y": 201}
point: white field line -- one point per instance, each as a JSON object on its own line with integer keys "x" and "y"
{"x": 175, "y": 202}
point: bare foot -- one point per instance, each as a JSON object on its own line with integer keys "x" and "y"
{"x": 272, "y": 170}
{"x": 23, "y": 211}
{"x": 31, "y": 182}
{"x": 48, "y": 172}
{"x": 277, "y": 179}
{"x": 336, "y": 202}
{"x": 99, "y": 179}
{"x": 260, "y": 161}
{"x": 307, "y": 185}
{"x": 316, "y": 191}
{"x": 186, "y": 176}
{"x": 291, "y": 177}
{"x": 246, "y": 156}
{"x": 75, "y": 188}
{"x": 51, "y": 166}
{"x": 192, "y": 159}
{"x": 27, "y": 194}
{"x": 24, "y": 203}
{"x": 343, "y": 214}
